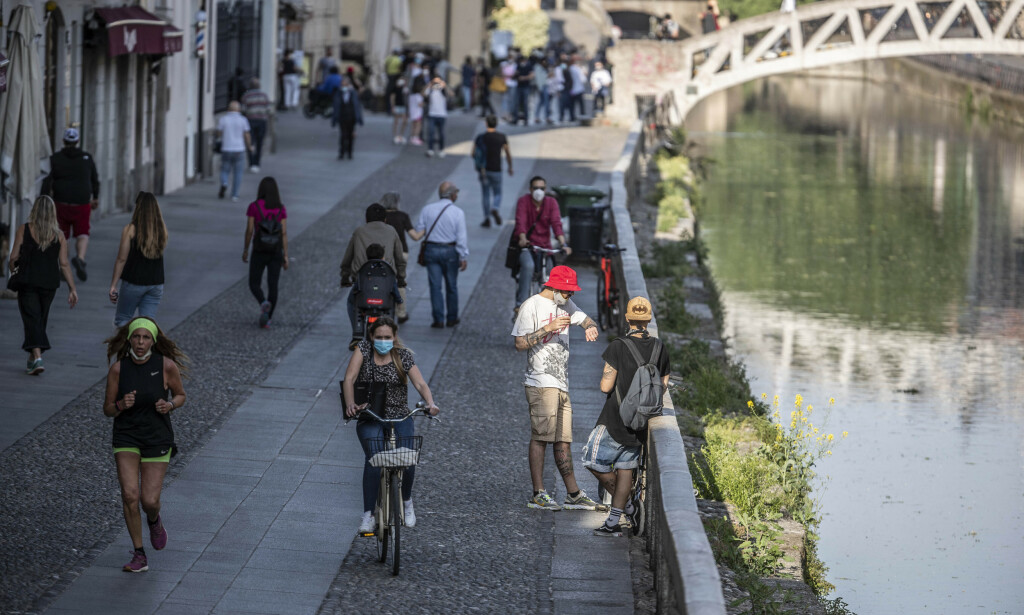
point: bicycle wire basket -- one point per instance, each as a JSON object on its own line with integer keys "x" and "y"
{"x": 403, "y": 452}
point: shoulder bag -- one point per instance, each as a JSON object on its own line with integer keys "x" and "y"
{"x": 421, "y": 259}
{"x": 512, "y": 252}
{"x": 18, "y": 280}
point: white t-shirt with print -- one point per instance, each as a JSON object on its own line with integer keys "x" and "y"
{"x": 548, "y": 360}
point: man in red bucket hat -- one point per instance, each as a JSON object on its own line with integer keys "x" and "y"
{"x": 542, "y": 328}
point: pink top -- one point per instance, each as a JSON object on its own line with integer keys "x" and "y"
{"x": 256, "y": 209}
{"x": 547, "y": 219}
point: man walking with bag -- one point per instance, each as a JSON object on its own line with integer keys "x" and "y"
{"x": 635, "y": 376}
{"x": 444, "y": 252}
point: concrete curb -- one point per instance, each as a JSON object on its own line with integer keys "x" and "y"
{"x": 686, "y": 575}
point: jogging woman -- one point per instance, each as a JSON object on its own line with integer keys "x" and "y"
{"x": 270, "y": 250}
{"x": 140, "y": 262}
{"x": 41, "y": 254}
{"x": 384, "y": 361}
{"x": 148, "y": 370}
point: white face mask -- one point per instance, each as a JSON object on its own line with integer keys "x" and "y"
{"x": 144, "y": 357}
{"x": 538, "y": 194}
{"x": 560, "y": 299}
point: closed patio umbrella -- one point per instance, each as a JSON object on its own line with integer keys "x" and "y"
{"x": 387, "y": 27}
{"x": 24, "y": 142}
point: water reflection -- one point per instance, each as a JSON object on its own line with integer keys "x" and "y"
{"x": 870, "y": 246}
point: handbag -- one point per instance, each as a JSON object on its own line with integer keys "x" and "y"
{"x": 513, "y": 250}
{"x": 217, "y": 144}
{"x": 421, "y": 259}
{"x": 498, "y": 84}
{"x": 18, "y": 280}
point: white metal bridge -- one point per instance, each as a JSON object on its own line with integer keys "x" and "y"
{"x": 838, "y": 31}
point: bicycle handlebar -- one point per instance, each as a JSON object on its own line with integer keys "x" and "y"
{"x": 608, "y": 250}
{"x": 421, "y": 407}
{"x": 546, "y": 250}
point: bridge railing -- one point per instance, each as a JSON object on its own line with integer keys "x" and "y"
{"x": 686, "y": 577}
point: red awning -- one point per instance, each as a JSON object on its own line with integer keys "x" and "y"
{"x": 3, "y": 71}
{"x": 132, "y": 29}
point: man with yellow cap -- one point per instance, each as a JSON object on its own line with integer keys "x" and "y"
{"x": 612, "y": 451}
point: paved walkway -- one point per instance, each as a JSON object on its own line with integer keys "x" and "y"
{"x": 261, "y": 516}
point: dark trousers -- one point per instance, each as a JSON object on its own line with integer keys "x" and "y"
{"x": 577, "y": 101}
{"x": 565, "y": 103}
{"x": 369, "y": 434}
{"x": 443, "y": 267}
{"x": 347, "y": 137}
{"x": 34, "y": 305}
{"x": 258, "y": 131}
{"x": 271, "y": 262}
{"x": 435, "y": 132}
{"x": 485, "y": 103}
{"x": 523, "y": 103}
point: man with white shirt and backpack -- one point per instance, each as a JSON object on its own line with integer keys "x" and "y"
{"x": 635, "y": 376}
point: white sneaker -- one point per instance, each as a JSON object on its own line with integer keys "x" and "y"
{"x": 367, "y": 526}
{"x": 441, "y": 154}
{"x": 410, "y": 514}
{"x": 430, "y": 153}
{"x": 254, "y": 169}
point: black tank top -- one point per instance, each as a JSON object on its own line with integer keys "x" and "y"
{"x": 141, "y": 426}
{"x": 43, "y": 266}
{"x": 140, "y": 270}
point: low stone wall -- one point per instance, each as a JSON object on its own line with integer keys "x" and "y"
{"x": 685, "y": 573}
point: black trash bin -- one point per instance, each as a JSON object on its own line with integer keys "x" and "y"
{"x": 586, "y": 226}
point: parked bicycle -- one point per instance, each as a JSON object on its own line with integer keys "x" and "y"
{"x": 607, "y": 289}
{"x": 393, "y": 454}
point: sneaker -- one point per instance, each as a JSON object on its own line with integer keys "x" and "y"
{"x": 79, "y": 266}
{"x": 254, "y": 169}
{"x": 234, "y": 199}
{"x": 416, "y": 141}
{"x": 157, "y": 534}
{"x": 402, "y": 140}
{"x": 264, "y": 319}
{"x": 265, "y": 313}
{"x": 582, "y": 502}
{"x": 441, "y": 154}
{"x": 637, "y": 518}
{"x": 35, "y": 367}
{"x": 367, "y": 525}
{"x": 486, "y": 223}
{"x": 138, "y": 563}
{"x": 410, "y": 514}
{"x": 396, "y": 140}
{"x": 430, "y": 153}
{"x": 604, "y": 530}
{"x": 543, "y": 501}
{"x": 220, "y": 193}
{"x": 497, "y": 217}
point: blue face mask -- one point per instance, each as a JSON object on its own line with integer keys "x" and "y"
{"x": 383, "y": 346}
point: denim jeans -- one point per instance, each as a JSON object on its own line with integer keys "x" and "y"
{"x": 528, "y": 262}
{"x": 443, "y": 266}
{"x": 543, "y": 105}
{"x": 509, "y": 103}
{"x": 366, "y": 431}
{"x": 259, "y": 131}
{"x": 522, "y": 103}
{"x": 435, "y": 127}
{"x": 231, "y": 166}
{"x": 490, "y": 184}
{"x": 467, "y": 97}
{"x": 131, "y": 297}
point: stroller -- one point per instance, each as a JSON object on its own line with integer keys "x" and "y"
{"x": 320, "y": 104}
{"x": 376, "y": 292}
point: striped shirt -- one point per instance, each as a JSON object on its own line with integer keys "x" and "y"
{"x": 256, "y": 105}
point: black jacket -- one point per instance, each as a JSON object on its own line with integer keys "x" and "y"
{"x": 347, "y": 113}
{"x": 73, "y": 178}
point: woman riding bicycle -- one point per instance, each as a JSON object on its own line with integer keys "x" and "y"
{"x": 382, "y": 360}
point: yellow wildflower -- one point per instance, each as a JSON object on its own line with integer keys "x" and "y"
{"x": 829, "y": 437}
{"x": 810, "y": 408}
{"x": 750, "y": 404}
{"x": 799, "y": 400}
{"x": 764, "y": 396}
{"x": 831, "y": 401}
{"x": 846, "y": 433}
{"x": 815, "y": 430}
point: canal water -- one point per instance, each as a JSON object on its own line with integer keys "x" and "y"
{"x": 870, "y": 247}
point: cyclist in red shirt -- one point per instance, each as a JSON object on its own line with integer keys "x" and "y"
{"x": 537, "y": 217}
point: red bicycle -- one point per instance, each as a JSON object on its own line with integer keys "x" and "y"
{"x": 607, "y": 290}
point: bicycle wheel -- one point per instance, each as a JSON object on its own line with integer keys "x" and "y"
{"x": 396, "y": 521}
{"x": 612, "y": 308}
{"x": 602, "y": 307}
{"x": 382, "y": 518}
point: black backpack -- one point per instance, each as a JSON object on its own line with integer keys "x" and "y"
{"x": 268, "y": 233}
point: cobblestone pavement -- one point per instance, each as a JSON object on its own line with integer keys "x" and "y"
{"x": 59, "y": 512}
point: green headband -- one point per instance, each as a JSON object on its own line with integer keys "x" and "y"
{"x": 142, "y": 323}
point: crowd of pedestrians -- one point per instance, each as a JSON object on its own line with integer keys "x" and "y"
{"x": 144, "y": 382}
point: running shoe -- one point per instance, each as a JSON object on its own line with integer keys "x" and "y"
{"x": 138, "y": 563}
{"x": 582, "y": 501}
{"x": 604, "y": 530}
{"x": 36, "y": 367}
{"x": 367, "y": 524}
{"x": 416, "y": 141}
{"x": 157, "y": 534}
{"x": 543, "y": 501}
{"x": 410, "y": 514}
{"x": 430, "y": 153}
{"x": 441, "y": 154}
{"x": 220, "y": 193}
{"x": 265, "y": 314}
{"x": 79, "y": 266}
{"x": 637, "y": 518}
{"x": 497, "y": 216}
